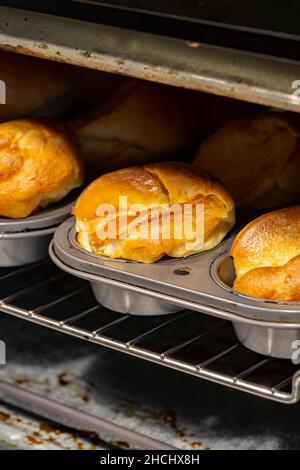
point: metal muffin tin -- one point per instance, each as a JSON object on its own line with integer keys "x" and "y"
{"x": 25, "y": 241}
{"x": 201, "y": 282}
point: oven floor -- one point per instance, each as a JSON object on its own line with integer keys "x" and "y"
{"x": 26, "y": 431}
{"x": 172, "y": 407}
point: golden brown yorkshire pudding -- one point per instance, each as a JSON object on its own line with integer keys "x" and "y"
{"x": 257, "y": 158}
{"x": 266, "y": 256}
{"x": 39, "y": 164}
{"x": 154, "y": 186}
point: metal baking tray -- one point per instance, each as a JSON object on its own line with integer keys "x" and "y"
{"x": 201, "y": 282}
{"x": 19, "y": 249}
{"x": 25, "y": 241}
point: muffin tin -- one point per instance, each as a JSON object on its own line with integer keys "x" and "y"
{"x": 25, "y": 241}
{"x": 201, "y": 282}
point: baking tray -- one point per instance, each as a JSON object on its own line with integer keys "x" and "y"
{"x": 54, "y": 214}
{"x": 25, "y": 241}
{"x": 201, "y": 282}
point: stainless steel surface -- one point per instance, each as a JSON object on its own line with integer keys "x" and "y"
{"x": 198, "y": 289}
{"x": 189, "y": 342}
{"x": 19, "y": 249}
{"x": 126, "y": 301}
{"x": 245, "y": 76}
{"x": 269, "y": 341}
{"x": 25, "y": 241}
{"x": 80, "y": 420}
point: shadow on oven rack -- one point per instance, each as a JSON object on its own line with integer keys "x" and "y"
{"x": 187, "y": 341}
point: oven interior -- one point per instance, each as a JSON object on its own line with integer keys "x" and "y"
{"x": 108, "y": 375}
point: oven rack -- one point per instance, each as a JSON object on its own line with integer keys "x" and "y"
{"x": 243, "y": 75}
{"x": 188, "y": 341}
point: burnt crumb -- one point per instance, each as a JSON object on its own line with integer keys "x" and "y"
{"x": 85, "y": 398}
{"x": 21, "y": 381}
{"x": 62, "y": 379}
{"x": 49, "y": 429}
{"x": 92, "y": 436}
{"x": 4, "y": 416}
{"x": 122, "y": 444}
{"x": 196, "y": 444}
{"x": 25, "y": 380}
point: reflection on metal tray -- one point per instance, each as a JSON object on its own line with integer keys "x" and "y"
{"x": 25, "y": 241}
{"x": 200, "y": 345}
{"x": 21, "y": 248}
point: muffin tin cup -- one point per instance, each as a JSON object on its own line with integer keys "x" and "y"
{"x": 126, "y": 301}
{"x": 19, "y": 249}
{"x": 273, "y": 342}
{"x": 201, "y": 282}
{"x": 25, "y": 241}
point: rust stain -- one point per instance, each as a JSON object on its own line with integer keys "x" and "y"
{"x": 4, "y": 416}
{"x": 122, "y": 444}
{"x": 131, "y": 408}
{"x": 49, "y": 429}
{"x": 17, "y": 48}
{"x": 196, "y": 444}
{"x": 93, "y": 437}
{"x": 25, "y": 380}
{"x": 85, "y": 398}
{"x": 53, "y": 55}
{"x": 21, "y": 381}
{"x": 33, "y": 440}
{"x": 65, "y": 378}
{"x": 46, "y": 433}
{"x": 62, "y": 379}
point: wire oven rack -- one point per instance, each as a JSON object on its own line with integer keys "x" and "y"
{"x": 186, "y": 341}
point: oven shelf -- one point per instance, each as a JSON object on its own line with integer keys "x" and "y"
{"x": 188, "y": 341}
{"x": 240, "y": 74}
